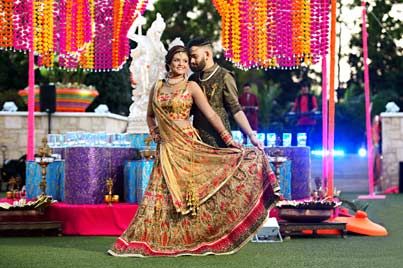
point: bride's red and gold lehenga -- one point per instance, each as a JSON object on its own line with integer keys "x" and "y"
{"x": 200, "y": 200}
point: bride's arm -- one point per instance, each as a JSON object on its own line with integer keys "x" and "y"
{"x": 152, "y": 124}
{"x": 213, "y": 118}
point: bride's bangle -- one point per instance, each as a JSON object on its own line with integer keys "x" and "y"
{"x": 153, "y": 129}
{"x": 226, "y": 137}
{"x": 155, "y": 134}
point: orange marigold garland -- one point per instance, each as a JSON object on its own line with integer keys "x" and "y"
{"x": 6, "y": 23}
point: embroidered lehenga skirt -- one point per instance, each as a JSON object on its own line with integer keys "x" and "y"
{"x": 200, "y": 200}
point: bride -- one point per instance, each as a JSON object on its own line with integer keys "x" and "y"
{"x": 200, "y": 200}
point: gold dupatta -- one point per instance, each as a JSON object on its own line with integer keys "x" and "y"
{"x": 193, "y": 170}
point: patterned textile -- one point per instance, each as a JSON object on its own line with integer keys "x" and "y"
{"x": 200, "y": 200}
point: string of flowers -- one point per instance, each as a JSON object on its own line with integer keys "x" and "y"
{"x": 117, "y": 16}
{"x": 86, "y": 60}
{"x": 87, "y": 34}
{"x": 20, "y": 22}
{"x": 60, "y": 27}
{"x": 128, "y": 11}
{"x": 261, "y": 32}
{"x": 273, "y": 33}
{"x": 6, "y": 23}
{"x": 324, "y": 27}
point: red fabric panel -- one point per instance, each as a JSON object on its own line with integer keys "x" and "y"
{"x": 92, "y": 219}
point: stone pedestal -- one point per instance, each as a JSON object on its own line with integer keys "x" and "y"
{"x": 392, "y": 149}
{"x": 137, "y": 122}
{"x": 137, "y": 125}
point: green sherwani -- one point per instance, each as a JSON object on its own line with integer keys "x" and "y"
{"x": 222, "y": 94}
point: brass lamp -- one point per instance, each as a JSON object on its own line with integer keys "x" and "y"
{"x": 148, "y": 153}
{"x": 43, "y": 160}
{"x": 109, "y": 187}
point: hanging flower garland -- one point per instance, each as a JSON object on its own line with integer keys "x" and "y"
{"x": 273, "y": 33}
{"x": 20, "y": 21}
{"x": 6, "y": 23}
{"x": 88, "y": 34}
{"x": 6, "y": 26}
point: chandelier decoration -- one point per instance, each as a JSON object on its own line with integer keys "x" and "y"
{"x": 87, "y": 34}
{"x": 274, "y": 33}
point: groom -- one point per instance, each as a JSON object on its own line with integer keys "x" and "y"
{"x": 219, "y": 86}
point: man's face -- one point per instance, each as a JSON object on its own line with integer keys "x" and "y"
{"x": 304, "y": 90}
{"x": 197, "y": 59}
{"x": 246, "y": 89}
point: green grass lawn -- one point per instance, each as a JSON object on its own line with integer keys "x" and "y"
{"x": 323, "y": 251}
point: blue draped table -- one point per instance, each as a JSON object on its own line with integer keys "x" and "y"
{"x": 54, "y": 179}
{"x": 300, "y": 169}
{"x": 284, "y": 178}
{"x": 136, "y": 177}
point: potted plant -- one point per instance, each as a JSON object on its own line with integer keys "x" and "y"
{"x": 72, "y": 95}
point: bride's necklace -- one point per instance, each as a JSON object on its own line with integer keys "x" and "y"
{"x": 211, "y": 75}
{"x": 175, "y": 81}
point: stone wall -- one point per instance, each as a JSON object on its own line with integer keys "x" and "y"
{"x": 13, "y": 128}
{"x": 392, "y": 148}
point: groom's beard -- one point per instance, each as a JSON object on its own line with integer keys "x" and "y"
{"x": 199, "y": 67}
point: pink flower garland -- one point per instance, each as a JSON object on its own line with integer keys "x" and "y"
{"x": 20, "y": 22}
{"x": 103, "y": 35}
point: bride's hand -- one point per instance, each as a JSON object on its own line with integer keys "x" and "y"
{"x": 257, "y": 143}
{"x": 235, "y": 144}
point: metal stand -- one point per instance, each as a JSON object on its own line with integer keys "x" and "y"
{"x": 49, "y": 121}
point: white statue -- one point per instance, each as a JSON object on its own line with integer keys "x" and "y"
{"x": 147, "y": 66}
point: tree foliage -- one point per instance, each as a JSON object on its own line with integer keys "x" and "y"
{"x": 385, "y": 71}
{"x": 187, "y": 19}
{"x": 13, "y": 76}
{"x": 386, "y": 58}
{"x": 114, "y": 90}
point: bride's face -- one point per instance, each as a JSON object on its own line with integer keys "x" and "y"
{"x": 179, "y": 64}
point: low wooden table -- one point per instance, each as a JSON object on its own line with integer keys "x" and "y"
{"x": 25, "y": 222}
{"x": 287, "y": 228}
{"x": 15, "y": 228}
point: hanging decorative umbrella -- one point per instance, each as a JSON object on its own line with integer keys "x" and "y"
{"x": 274, "y": 34}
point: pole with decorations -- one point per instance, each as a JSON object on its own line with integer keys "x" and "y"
{"x": 370, "y": 148}
{"x": 284, "y": 34}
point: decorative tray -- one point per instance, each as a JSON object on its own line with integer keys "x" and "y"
{"x": 304, "y": 215}
{"x": 306, "y": 211}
